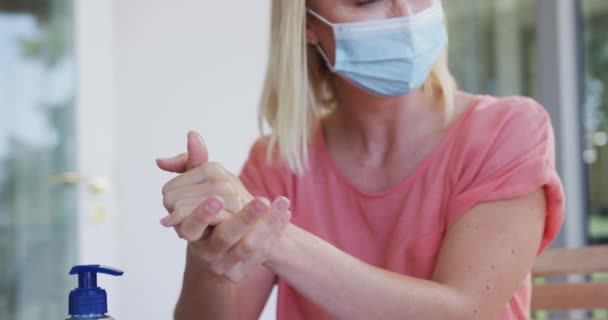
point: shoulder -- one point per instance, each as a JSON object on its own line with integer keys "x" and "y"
{"x": 264, "y": 174}
{"x": 259, "y": 148}
{"x": 492, "y": 116}
{"x": 504, "y": 122}
{"x": 497, "y": 131}
{"x": 260, "y": 157}
{"x": 505, "y": 149}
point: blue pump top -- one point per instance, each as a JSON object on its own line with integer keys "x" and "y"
{"x": 88, "y": 298}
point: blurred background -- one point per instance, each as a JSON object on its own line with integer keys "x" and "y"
{"x": 92, "y": 91}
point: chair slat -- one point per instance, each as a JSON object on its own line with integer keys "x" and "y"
{"x": 570, "y": 296}
{"x": 559, "y": 262}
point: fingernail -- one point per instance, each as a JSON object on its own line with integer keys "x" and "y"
{"x": 283, "y": 204}
{"x": 162, "y": 159}
{"x": 258, "y": 207}
{"x": 213, "y": 206}
{"x": 165, "y": 221}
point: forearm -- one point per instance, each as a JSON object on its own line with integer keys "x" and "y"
{"x": 205, "y": 295}
{"x": 348, "y": 288}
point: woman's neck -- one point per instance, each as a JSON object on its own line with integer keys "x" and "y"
{"x": 380, "y": 129}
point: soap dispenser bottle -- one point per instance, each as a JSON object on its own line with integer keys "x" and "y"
{"x": 88, "y": 301}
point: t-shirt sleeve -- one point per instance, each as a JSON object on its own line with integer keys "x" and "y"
{"x": 261, "y": 178}
{"x": 511, "y": 153}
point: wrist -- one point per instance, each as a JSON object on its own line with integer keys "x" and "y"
{"x": 283, "y": 250}
{"x": 197, "y": 269}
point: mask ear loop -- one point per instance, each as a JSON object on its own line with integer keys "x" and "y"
{"x": 325, "y": 57}
{"x": 318, "y": 16}
{"x": 317, "y": 46}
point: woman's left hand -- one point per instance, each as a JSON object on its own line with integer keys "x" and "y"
{"x": 242, "y": 243}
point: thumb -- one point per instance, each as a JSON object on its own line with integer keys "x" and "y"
{"x": 197, "y": 150}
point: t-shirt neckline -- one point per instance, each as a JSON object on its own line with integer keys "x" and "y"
{"x": 421, "y": 168}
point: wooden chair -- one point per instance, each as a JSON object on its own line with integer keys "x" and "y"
{"x": 564, "y": 296}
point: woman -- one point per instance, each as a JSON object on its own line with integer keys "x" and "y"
{"x": 410, "y": 199}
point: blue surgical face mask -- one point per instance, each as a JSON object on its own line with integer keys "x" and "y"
{"x": 391, "y": 57}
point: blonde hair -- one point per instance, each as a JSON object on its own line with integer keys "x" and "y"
{"x": 298, "y": 89}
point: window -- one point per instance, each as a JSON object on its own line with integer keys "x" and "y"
{"x": 37, "y": 216}
{"x": 595, "y": 115}
{"x": 493, "y": 46}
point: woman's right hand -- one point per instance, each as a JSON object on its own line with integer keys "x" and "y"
{"x": 199, "y": 179}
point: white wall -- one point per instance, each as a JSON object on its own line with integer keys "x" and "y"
{"x": 181, "y": 65}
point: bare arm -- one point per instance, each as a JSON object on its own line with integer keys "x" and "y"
{"x": 204, "y": 294}
{"x": 207, "y": 296}
{"x": 486, "y": 255}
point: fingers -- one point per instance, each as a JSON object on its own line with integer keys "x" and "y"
{"x": 198, "y": 175}
{"x": 185, "y": 207}
{"x": 192, "y": 228}
{"x": 177, "y": 164}
{"x": 197, "y": 150}
{"x": 221, "y": 188}
{"x": 241, "y": 244}
{"x": 261, "y": 237}
{"x": 230, "y": 232}
{"x": 252, "y": 249}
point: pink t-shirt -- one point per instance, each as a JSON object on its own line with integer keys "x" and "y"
{"x": 499, "y": 148}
